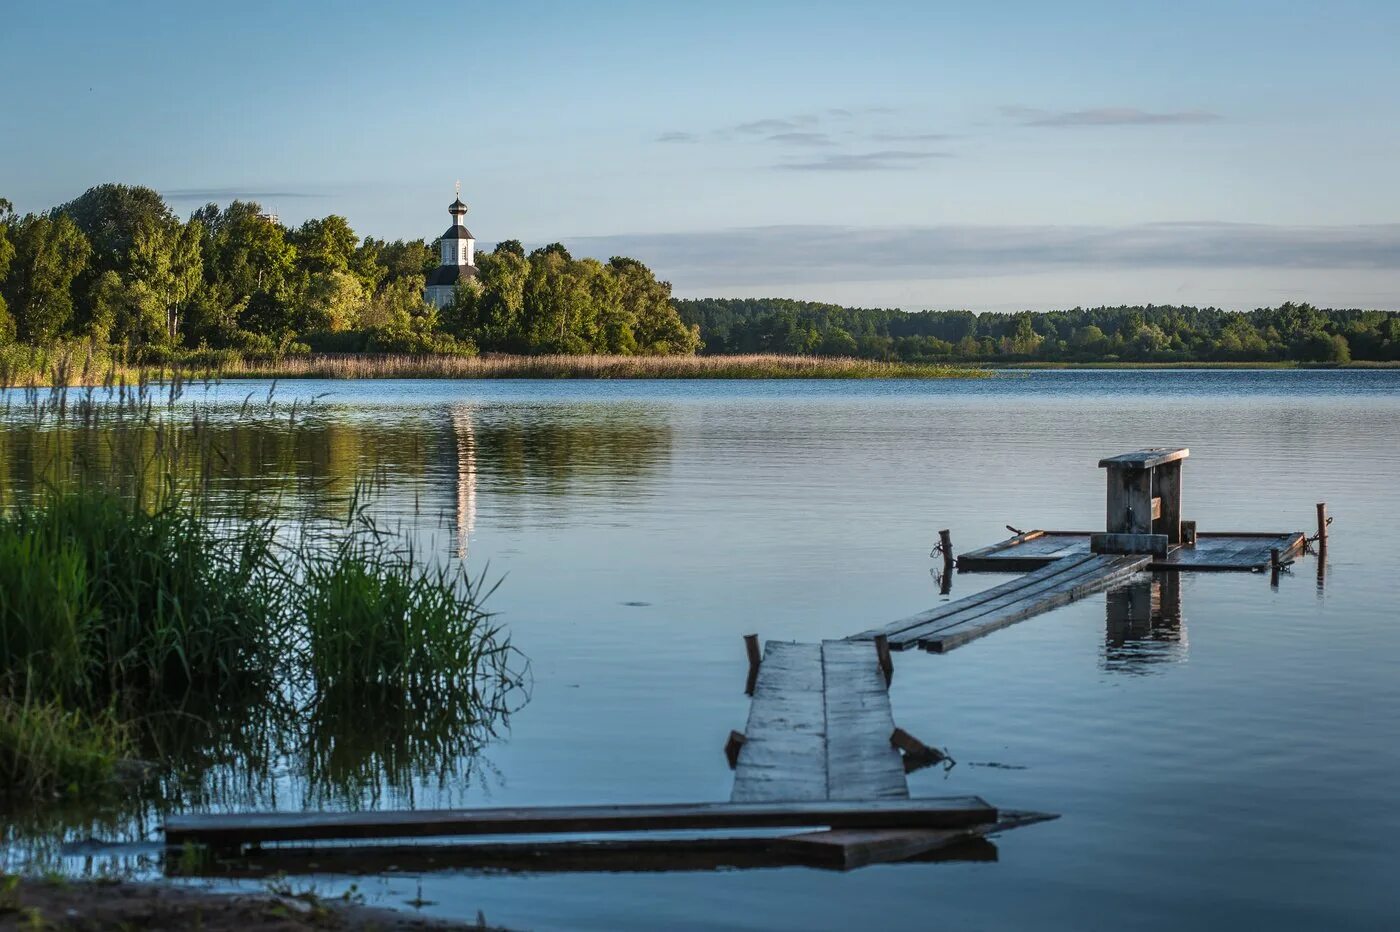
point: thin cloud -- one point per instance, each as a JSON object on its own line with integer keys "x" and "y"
{"x": 769, "y": 126}
{"x": 802, "y": 139}
{"x": 1106, "y": 116}
{"x": 885, "y": 160}
{"x": 910, "y": 137}
{"x": 233, "y": 194}
{"x": 821, "y": 254}
{"x": 675, "y": 136}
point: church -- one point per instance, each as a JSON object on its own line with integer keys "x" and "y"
{"x": 456, "y": 251}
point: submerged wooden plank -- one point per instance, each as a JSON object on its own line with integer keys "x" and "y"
{"x": 948, "y": 609}
{"x": 231, "y": 829}
{"x": 1083, "y": 571}
{"x": 847, "y": 849}
{"x": 1114, "y": 571}
{"x": 838, "y": 849}
{"x": 860, "y": 761}
{"x": 784, "y": 751}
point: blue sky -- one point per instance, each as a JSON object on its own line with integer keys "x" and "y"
{"x": 994, "y": 155}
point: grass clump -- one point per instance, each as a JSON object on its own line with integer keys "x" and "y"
{"x": 47, "y": 750}
{"x": 102, "y": 600}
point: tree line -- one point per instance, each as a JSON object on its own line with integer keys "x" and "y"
{"x": 1152, "y": 333}
{"x": 118, "y": 267}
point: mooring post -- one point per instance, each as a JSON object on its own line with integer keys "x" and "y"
{"x": 1321, "y": 526}
{"x": 1275, "y": 564}
{"x": 882, "y": 651}
{"x": 732, "y": 746}
{"x": 945, "y": 543}
{"x": 755, "y": 661}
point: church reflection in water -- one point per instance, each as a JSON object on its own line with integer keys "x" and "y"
{"x": 1143, "y": 625}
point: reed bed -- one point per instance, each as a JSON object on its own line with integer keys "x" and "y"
{"x": 754, "y": 366}
{"x": 132, "y": 616}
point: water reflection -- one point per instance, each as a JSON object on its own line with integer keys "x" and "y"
{"x": 1143, "y": 625}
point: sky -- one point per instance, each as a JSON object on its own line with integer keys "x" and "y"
{"x": 991, "y": 156}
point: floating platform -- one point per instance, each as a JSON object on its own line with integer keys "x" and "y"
{"x": 1222, "y": 550}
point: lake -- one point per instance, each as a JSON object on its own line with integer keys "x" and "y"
{"x": 1230, "y": 764}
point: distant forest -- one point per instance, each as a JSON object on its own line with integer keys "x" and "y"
{"x": 116, "y": 267}
{"x": 1155, "y": 333}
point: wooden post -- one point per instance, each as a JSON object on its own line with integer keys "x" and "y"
{"x": 945, "y": 542}
{"x": 751, "y": 645}
{"x": 1167, "y": 482}
{"x": 1322, "y": 526}
{"x": 755, "y": 661}
{"x": 916, "y": 753}
{"x": 1188, "y": 533}
{"x": 1275, "y": 564}
{"x": 882, "y": 651}
{"x": 732, "y": 746}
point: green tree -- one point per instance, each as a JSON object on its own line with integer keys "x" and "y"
{"x": 7, "y": 255}
{"x": 49, "y": 254}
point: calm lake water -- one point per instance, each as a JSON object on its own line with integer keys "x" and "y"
{"x": 1231, "y": 764}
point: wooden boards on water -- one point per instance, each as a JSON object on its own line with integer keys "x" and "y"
{"x": 1213, "y": 550}
{"x": 819, "y": 727}
{"x": 833, "y": 849}
{"x": 229, "y": 830}
{"x": 954, "y": 624}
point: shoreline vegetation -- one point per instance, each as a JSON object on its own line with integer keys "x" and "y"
{"x": 156, "y": 634}
{"x": 232, "y": 291}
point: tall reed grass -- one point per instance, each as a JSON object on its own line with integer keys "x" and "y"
{"x": 132, "y": 615}
{"x": 754, "y": 366}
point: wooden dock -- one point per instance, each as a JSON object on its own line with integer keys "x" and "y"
{"x": 820, "y": 768}
{"x": 1221, "y": 551}
{"x": 1057, "y": 583}
{"x": 819, "y": 727}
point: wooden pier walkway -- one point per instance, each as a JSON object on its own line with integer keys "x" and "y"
{"x": 820, "y": 753}
{"x": 951, "y": 625}
{"x": 819, "y": 727}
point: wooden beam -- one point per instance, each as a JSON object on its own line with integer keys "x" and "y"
{"x": 860, "y": 764}
{"x": 1146, "y": 458}
{"x": 882, "y": 653}
{"x": 227, "y": 830}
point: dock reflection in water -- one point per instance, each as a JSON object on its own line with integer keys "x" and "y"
{"x": 1143, "y": 625}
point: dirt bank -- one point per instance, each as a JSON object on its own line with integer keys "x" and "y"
{"x": 33, "y": 904}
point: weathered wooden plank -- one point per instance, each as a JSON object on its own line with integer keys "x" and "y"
{"x": 838, "y": 849}
{"x": 784, "y": 752}
{"x": 1090, "y": 568}
{"x": 1129, "y": 501}
{"x": 232, "y": 829}
{"x": 860, "y": 762}
{"x": 847, "y": 849}
{"x": 947, "y": 639}
{"x": 1146, "y": 458}
{"x": 978, "y": 598}
{"x": 1155, "y": 544}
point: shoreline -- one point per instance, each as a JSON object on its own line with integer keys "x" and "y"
{"x": 99, "y": 905}
{"x": 83, "y": 366}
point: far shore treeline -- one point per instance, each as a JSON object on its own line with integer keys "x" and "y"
{"x": 117, "y": 268}
{"x": 1155, "y": 333}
